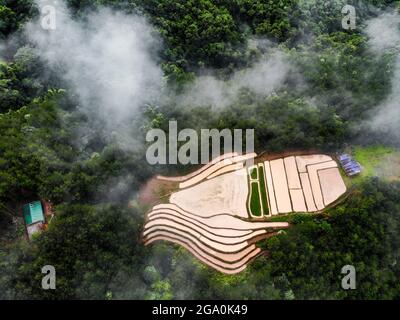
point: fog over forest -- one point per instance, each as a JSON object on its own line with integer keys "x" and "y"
{"x": 76, "y": 103}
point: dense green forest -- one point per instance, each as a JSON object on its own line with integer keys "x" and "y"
{"x": 52, "y": 148}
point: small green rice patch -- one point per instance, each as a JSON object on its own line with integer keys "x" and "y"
{"x": 254, "y": 199}
{"x": 253, "y": 173}
{"x": 263, "y": 190}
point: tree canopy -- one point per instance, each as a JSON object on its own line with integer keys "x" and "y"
{"x": 50, "y": 150}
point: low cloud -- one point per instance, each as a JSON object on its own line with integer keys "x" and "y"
{"x": 108, "y": 60}
{"x": 384, "y": 31}
{"x": 263, "y": 78}
{"x": 384, "y": 38}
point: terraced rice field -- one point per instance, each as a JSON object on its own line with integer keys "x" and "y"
{"x": 294, "y": 184}
{"x": 220, "y": 210}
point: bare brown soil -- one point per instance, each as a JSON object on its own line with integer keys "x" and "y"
{"x": 156, "y": 191}
{"x": 268, "y": 156}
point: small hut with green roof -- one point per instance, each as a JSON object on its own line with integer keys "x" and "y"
{"x": 34, "y": 217}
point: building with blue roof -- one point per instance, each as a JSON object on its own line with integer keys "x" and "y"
{"x": 349, "y": 165}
